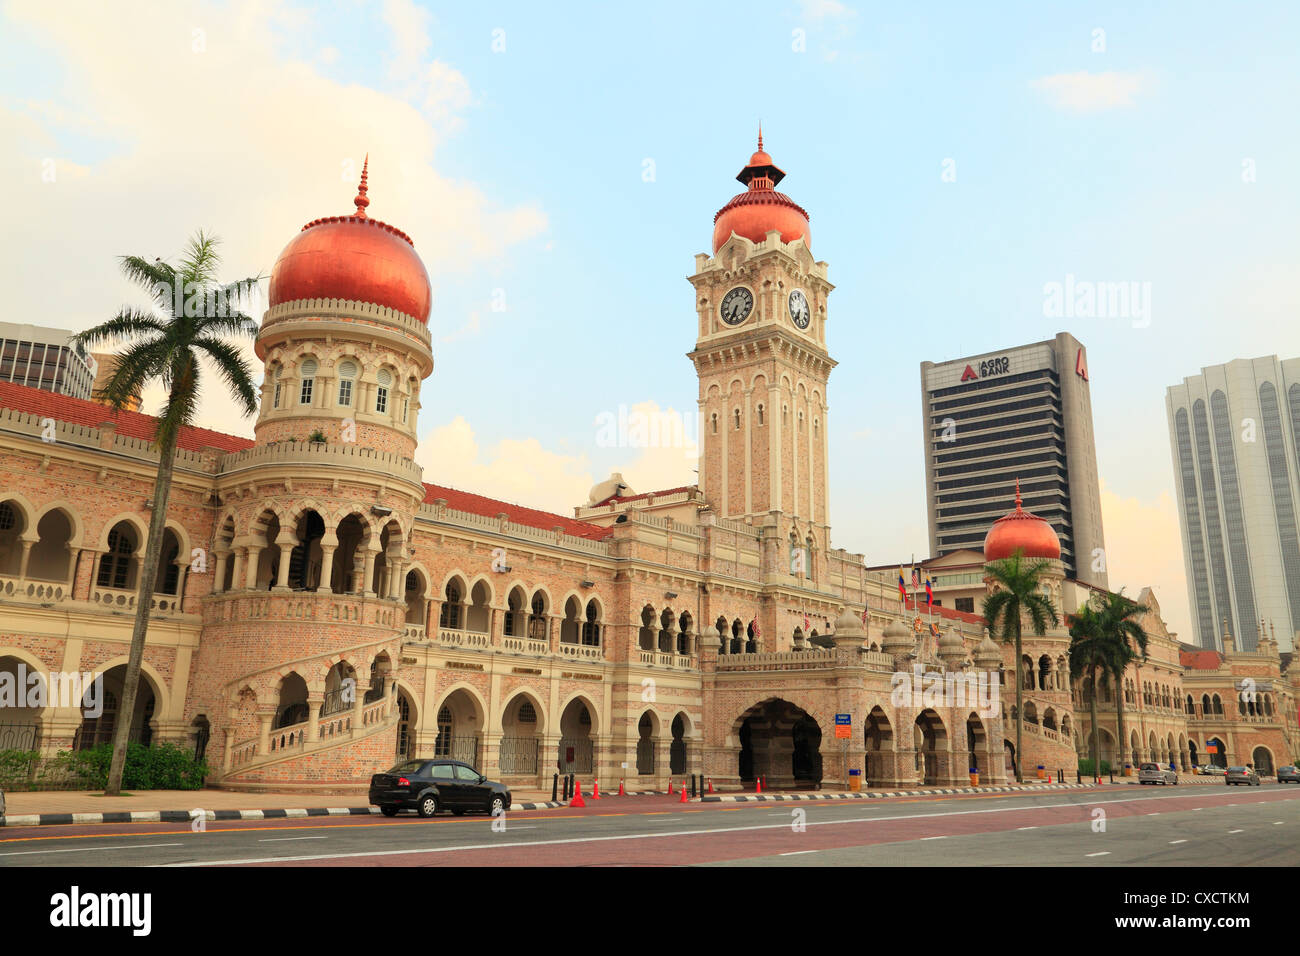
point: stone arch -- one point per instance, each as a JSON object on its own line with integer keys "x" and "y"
{"x": 1261, "y": 759}
{"x": 932, "y": 743}
{"x": 74, "y": 519}
{"x": 137, "y": 525}
{"x": 534, "y": 697}
{"x": 161, "y": 692}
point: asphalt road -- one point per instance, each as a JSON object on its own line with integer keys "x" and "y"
{"x": 1176, "y": 827}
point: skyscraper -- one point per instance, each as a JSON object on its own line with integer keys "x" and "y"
{"x": 1233, "y": 432}
{"x": 1024, "y": 414}
{"x": 46, "y": 359}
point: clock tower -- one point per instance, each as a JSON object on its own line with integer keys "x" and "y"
{"x": 761, "y": 358}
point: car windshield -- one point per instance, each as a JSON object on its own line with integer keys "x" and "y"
{"x": 407, "y": 766}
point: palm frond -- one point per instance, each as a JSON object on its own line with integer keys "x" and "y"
{"x": 129, "y": 322}
{"x": 233, "y": 370}
{"x": 135, "y": 366}
{"x": 200, "y": 260}
{"x": 157, "y": 278}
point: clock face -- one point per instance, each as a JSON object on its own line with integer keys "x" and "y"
{"x": 736, "y": 305}
{"x": 799, "y": 309}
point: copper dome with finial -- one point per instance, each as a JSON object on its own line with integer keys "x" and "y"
{"x": 760, "y": 208}
{"x": 1021, "y": 531}
{"x": 353, "y": 258}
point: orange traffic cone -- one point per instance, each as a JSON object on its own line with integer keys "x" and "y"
{"x": 620, "y": 789}
{"x": 683, "y": 800}
{"x": 595, "y": 789}
{"x": 758, "y": 784}
{"x": 710, "y": 785}
{"x": 670, "y": 787}
{"x": 577, "y": 800}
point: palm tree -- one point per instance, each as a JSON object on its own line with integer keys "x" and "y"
{"x": 191, "y": 315}
{"x": 1116, "y": 619}
{"x": 1018, "y": 595}
{"x": 1091, "y": 651}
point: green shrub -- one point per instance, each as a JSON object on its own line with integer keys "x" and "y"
{"x": 17, "y": 768}
{"x": 164, "y": 766}
{"x": 1085, "y": 766}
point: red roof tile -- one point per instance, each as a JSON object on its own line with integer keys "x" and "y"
{"x": 666, "y": 491}
{"x": 1200, "y": 660}
{"x": 531, "y": 517}
{"x": 78, "y": 411}
{"x": 949, "y": 613}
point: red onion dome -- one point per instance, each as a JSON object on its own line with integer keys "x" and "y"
{"x": 1021, "y": 531}
{"x": 356, "y": 258}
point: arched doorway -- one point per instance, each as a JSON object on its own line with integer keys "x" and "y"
{"x": 781, "y": 743}
{"x": 931, "y": 740}
{"x": 880, "y": 769}
{"x": 977, "y": 747}
{"x": 100, "y": 713}
{"x": 521, "y": 735}
{"x": 1262, "y": 760}
{"x": 405, "y": 726}
{"x": 20, "y": 724}
{"x": 677, "y": 749}
{"x": 647, "y": 733}
{"x": 292, "y": 706}
{"x": 1191, "y": 747}
{"x": 459, "y": 723}
{"x": 577, "y": 750}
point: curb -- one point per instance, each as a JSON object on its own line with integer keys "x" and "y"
{"x": 211, "y": 816}
{"x": 873, "y": 795}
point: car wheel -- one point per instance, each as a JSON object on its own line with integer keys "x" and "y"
{"x": 388, "y": 811}
{"x": 428, "y": 805}
{"x": 497, "y": 805}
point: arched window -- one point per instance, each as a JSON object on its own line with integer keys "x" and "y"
{"x": 714, "y": 421}
{"x": 308, "y": 381}
{"x": 279, "y": 370}
{"x": 737, "y": 419}
{"x": 527, "y": 713}
{"x": 347, "y": 376}
{"x": 381, "y": 391}
{"x": 450, "y": 615}
{"x": 590, "y": 628}
{"x": 115, "y": 565}
{"x": 760, "y": 413}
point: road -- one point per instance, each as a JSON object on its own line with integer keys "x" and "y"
{"x": 1110, "y": 826}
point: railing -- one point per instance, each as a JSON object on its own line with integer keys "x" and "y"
{"x": 413, "y": 632}
{"x": 464, "y": 749}
{"x": 586, "y": 651}
{"x": 288, "y": 738}
{"x": 373, "y": 714}
{"x": 331, "y": 727}
{"x": 645, "y": 755}
{"x": 458, "y": 638}
{"x": 518, "y": 755}
{"x": 647, "y": 657}
{"x": 39, "y": 592}
{"x": 125, "y": 599}
{"x": 782, "y": 660}
{"x": 242, "y": 753}
{"x": 524, "y": 645}
{"x": 20, "y": 736}
{"x": 575, "y": 755}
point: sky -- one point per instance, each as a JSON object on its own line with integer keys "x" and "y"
{"x": 559, "y": 166}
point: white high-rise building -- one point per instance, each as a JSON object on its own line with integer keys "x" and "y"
{"x": 1233, "y": 431}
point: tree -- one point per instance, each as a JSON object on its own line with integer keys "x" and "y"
{"x": 1018, "y": 594}
{"x": 1091, "y": 652}
{"x": 1116, "y": 620}
{"x": 191, "y": 315}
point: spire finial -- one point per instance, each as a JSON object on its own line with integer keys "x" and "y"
{"x": 362, "y": 201}
{"x": 1017, "y": 494}
{"x": 760, "y": 136}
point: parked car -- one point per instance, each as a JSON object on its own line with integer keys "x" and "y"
{"x": 1284, "y": 775}
{"x": 427, "y": 786}
{"x": 1242, "y": 775}
{"x": 1153, "y": 773}
{"x": 1213, "y": 770}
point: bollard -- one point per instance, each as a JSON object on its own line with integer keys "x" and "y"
{"x": 555, "y": 787}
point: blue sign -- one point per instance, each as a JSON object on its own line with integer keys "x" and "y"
{"x": 844, "y": 719}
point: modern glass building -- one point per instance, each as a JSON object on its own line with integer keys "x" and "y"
{"x": 1019, "y": 413}
{"x": 45, "y": 358}
{"x": 1233, "y": 432}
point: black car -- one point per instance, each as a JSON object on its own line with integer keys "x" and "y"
{"x": 428, "y": 786}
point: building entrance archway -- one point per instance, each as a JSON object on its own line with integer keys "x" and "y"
{"x": 781, "y": 743}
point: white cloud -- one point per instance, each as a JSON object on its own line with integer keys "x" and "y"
{"x": 823, "y": 9}
{"x": 524, "y": 472}
{"x": 1085, "y": 92}
{"x": 239, "y": 139}
{"x": 520, "y": 471}
{"x": 1144, "y": 548}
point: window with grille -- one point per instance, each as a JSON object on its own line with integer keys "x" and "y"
{"x": 115, "y": 565}
{"x": 527, "y": 713}
{"x": 449, "y": 617}
{"x": 381, "y": 393}
{"x": 7, "y": 519}
{"x": 347, "y": 372}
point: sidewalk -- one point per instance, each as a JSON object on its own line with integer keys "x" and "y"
{"x": 48, "y": 807}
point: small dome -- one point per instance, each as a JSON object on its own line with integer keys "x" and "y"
{"x": 951, "y": 640}
{"x": 987, "y": 652}
{"x": 1021, "y": 531}
{"x": 353, "y": 258}
{"x": 896, "y": 635}
{"x": 760, "y": 208}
